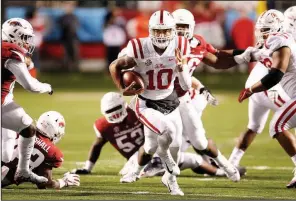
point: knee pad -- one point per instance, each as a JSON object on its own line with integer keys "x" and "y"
{"x": 169, "y": 131}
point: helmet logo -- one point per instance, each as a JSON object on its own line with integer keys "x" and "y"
{"x": 15, "y": 23}
{"x": 61, "y": 124}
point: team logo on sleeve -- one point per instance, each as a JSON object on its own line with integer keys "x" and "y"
{"x": 116, "y": 129}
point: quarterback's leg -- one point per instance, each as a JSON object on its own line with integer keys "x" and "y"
{"x": 193, "y": 129}
{"x": 165, "y": 130}
{"x": 15, "y": 118}
{"x": 284, "y": 120}
{"x": 258, "y": 114}
{"x": 8, "y": 143}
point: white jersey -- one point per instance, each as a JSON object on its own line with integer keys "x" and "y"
{"x": 273, "y": 43}
{"x": 158, "y": 71}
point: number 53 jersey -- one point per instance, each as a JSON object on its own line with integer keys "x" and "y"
{"x": 158, "y": 71}
{"x": 126, "y": 137}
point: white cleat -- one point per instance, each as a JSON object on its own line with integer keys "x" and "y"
{"x": 130, "y": 177}
{"x": 292, "y": 183}
{"x": 28, "y": 176}
{"x": 169, "y": 164}
{"x": 231, "y": 172}
{"x": 170, "y": 182}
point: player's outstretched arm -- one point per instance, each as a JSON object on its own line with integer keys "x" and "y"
{"x": 23, "y": 77}
{"x": 280, "y": 60}
{"x": 116, "y": 68}
{"x": 224, "y": 59}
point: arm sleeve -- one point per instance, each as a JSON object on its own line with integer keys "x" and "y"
{"x": 23, "y": 77}
{"x": 185, "y": 78}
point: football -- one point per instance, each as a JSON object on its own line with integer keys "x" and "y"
{"x": 128, "y": 77}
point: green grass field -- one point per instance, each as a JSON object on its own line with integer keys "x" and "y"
{"x": 269, "y": 168}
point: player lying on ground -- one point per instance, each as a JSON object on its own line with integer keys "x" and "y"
{"x": 45, "y": 156}
{"x": 260, "y": 103}
{"x": 17, "y": 43}
{"x": 125, "y": 132}
{"x": 279, "y": 55}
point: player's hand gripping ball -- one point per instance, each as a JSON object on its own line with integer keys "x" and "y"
{"x": 132, "y": 82}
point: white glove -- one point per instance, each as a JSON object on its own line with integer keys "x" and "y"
{"x": 209, "y": 97}
{"x": 69, "y": 180}
{"x": 246, "y": 56}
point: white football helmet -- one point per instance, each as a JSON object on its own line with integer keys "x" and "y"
{"x": 161, "y": 28}
{"x": 271, "y": 21}
{"x": 183, "y": 16}
{"x": 19, "y": 32}
{"x": 290, "y": 21}
{"x": 52, "y": 125}
{"x": 113, "y": 107}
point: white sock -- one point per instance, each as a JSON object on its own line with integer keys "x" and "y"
{"x": 26, "y": 146}
{"x": 89, "y": 165}
{"x": 236, "y": 156}
{"x": 294, "y": 159}
{"x": 220, "y": 172}
{"x": 221, "y": 160}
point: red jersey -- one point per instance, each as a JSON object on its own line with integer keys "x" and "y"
{"x": 127, "y": 136}
{"x": 45, "y": 155}
{"x": 9, "y": 51}
{"x": 198, "y": 48}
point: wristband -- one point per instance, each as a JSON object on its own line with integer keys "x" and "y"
{"x": 62, "y": 183}
{"x": 237, "y": 52}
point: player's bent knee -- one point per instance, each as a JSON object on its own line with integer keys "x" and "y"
{"x": 256, "y": 128}
{"x": 200, "y": 143}
{"x": 29, "y": 131}
{"x": 169, "y": 131}
{"x": 150, "y": 149}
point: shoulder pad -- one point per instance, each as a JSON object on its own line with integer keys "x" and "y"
{"x": 134, "y": 48}
{"x": 56, "y": 157}
{"x": 12, "y": 51}
{"x": 276, "y": 41}
{"x": 102, "y": 124}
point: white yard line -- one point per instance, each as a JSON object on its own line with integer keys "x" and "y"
{"x": 154, "y": 193}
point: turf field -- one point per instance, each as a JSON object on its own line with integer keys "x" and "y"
{"x": 78, "y": 99}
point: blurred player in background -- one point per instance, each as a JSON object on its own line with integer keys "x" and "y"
{"x": 191, "y": 118}
{"x": 260, "y": 104}
{"x": 154, "y": 58}
{"x": 45, "y": 156}
{"x": 17, "y": 43}
{"x": 279, "y": 56}
{"x": 125, "y": 132}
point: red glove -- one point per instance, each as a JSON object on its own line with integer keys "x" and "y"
{"x": 211, "y": 49}
{"x": 244, "y": 94}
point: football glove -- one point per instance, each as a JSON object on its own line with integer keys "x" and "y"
{"x": 209, "y": 96}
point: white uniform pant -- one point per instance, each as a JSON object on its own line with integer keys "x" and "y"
{"x": 191, "y": 111}
{"x": 284, "y": 118}
{"x": 260, "y": 105}
{"x": 156, "y": 123}
{"x": 8, "y": 142}
{"x": 14, "y": 117}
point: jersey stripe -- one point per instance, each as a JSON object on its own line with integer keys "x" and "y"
{"x": 140, "y": 47}
{"x": 161, "y": 17}
{"x": 134, "y": 48}
{"x": 179, "y": 43}
{"x": 282, "y": 116}
{"x": 185, "y": 48}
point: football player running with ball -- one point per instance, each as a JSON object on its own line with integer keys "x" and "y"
{"x": 17, "y": 43}
{"x": 159, "y": 59}
{"x": 45, "y": 156}
{"x": 279, "y": 56}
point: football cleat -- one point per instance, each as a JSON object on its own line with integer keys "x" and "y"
{"x": 169, "y": 163}
{"x": 242, "y": 170}
{"x": 153, "y": 168}
{"x": 292, "y": 183}
{"x": 130, "y": 177}
{"x": 170, "y": 182}
{"x": 28, "y": 176}
{"x": 231, "y": 172}
{"x": 80, "y": 171}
